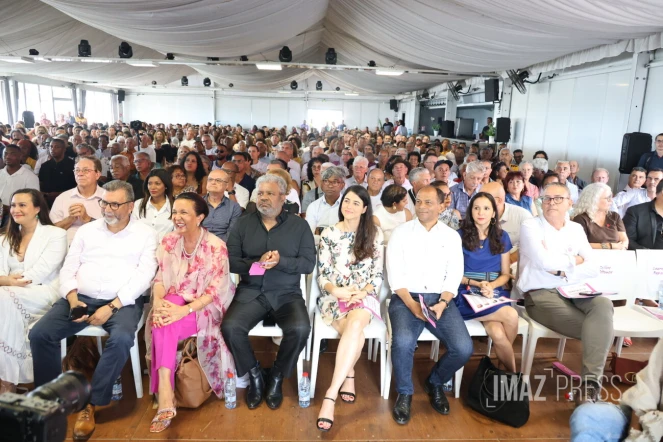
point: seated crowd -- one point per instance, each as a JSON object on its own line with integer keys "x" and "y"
{"x": 95, "y": 217}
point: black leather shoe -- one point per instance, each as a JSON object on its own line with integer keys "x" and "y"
{"x": 401, "y": 411}
{"x": 437, "y": 398}
{"x": 274, "y": 392}
{"x": 256, "y": 389}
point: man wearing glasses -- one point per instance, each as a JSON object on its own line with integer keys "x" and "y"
{"x": 555, "y": 252}
{"x": 110, "y": 263}
{"x": 323, "y": 212}
{"x": 223, "y": 212}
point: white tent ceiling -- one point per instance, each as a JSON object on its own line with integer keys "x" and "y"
{"x": 470, "y": 37}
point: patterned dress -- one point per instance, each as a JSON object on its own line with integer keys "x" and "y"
{"x": 336, "y": 265}
{"x": 207, "y": 273}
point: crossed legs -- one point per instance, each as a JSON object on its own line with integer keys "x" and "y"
{"x": 502, "y": 328}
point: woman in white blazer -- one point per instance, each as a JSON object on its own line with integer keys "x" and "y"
{"x": 32, "y": 251}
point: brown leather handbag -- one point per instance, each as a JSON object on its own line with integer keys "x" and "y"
{"x": 191, "y": 385}
{"x": 626, "y": 368}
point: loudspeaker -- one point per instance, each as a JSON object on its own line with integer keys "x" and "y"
{"x": 447, "y": 129}
{"x": 492, "y": 90}
{"x": 120, "y": 96}
{"x": 29, "y": 119}
{"x": 503, "y": 130}
{"x": 393, "y": 105}
{"x": 634, "y": 145}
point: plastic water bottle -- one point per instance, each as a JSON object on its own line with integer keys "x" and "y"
{"x": 305, "y": 391}
{"x": 117, "y": 389}
{"x": 230, "y": 392}
{"x": 660, "y": 295}
{"x": 448, "y": 386}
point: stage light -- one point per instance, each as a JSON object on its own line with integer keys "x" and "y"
{"x": 154, "y": 83}
{"x": 337, "y": 89}
{"x": 170, "y": 56}
{"x": 207, "y": 82}
{"x": 243, "y": 58}
{"x": 371, "y": 64}
{"x": 330, "y": 56}
{"x": 185, "y": 81}
{"x": 231, "y": 85}
{"x": 84, "y": 49}
{"x": 125, "y": 51}
{"x": 285, "y": 55}
{"x": 212, "y": 58}
{"x": 33, "y": 52}
{"x": 318, "y": 85}
{"x": 293, "y": 85}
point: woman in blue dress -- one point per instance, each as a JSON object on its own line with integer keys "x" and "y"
{"x": 486, "y": 250}
{"x": 516, "y": 192}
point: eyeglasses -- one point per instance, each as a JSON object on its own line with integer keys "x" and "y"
{"x": 556, "y": 199}
{"x": 333, "y": 182}
{"x": 114, "y": 206}
{"x": 83, "y": 171}
{"x": 217, "y": 180}
{"x": 179, "y": 176}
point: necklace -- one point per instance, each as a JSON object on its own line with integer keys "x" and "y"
{"x": 483, "y": 241}
{"x": 190, "y": 256}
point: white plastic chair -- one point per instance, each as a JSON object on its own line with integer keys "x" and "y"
{"x": 99, "y": 332}
{"x": 375, "y": 330}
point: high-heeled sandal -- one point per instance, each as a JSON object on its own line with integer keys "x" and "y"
{"x": 324, "y": 420}
{"x": 163, "y": 421}
{"x": 353, "y": 395}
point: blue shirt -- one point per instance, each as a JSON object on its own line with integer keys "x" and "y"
{"x": 222, "y": 217}
{"x": 655, "y": 162}
{"x": 460, "y": 199}
{"x": 525, "y": 201}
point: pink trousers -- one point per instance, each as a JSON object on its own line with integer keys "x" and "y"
{"x": 164, "y": 342}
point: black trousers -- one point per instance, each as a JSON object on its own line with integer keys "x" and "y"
{"x": 55, "y": 325}
{"x": 240, "y": 318}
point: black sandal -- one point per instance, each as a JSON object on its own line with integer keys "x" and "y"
{"x": 354, "y": 396}
{"x": 325, "y": 420}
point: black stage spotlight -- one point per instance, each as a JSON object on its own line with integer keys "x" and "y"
{"x": 293, "y": 85}
{"x": 285, "y": 55}
{"x": 207, "y": 82}
{"x": 318, "y": 85}
{"x": 170, "y": 56}
{"x": 84, "y": 49}
{"x": 125, "y": 50}
{"x": 330, "y": 56}
{"x": 154, "y": 83}
{"x": 185, "y": 81}
{"x": 243, "y": 58}
{"x": 338, "y": 88}
{"x": 231, "y": 85}
{"x": 212, "y": 58}
{"x": 34, "y": 52}
{"x": 371, "y": 64}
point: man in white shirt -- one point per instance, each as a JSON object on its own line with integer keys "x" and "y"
{"x": 294, "y": 167}
{"x": 375, "y": 179}
{"x": 511, "y": 216}
{"x": 625, "y": 199}
{"x": 399, "y": 171}
{"x": 425, "y": 261}
{"x": 419, "y": 178}
{"x": 190, "y": 140}
{"x": 323, "y": 212}
{"x": 80, "y": 205}
{"x": 359, "y": 169}
{"x": 238, "y": 193}
{"x": 554, "y": 252}
{"x": 208, "y": 142}
{"x": 563, "y": 169}
{"x": 146, "y": 146}
{"x": 442, "y": 170}
{"x": 111, "y": 262}
{"x": 14, "y": 177}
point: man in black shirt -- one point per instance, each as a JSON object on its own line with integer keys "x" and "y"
{"x": 387, "y": 127}
{"x": 57, "y": 174}
{"x": 270, "y": 250}
{"x": 243, "y": 162}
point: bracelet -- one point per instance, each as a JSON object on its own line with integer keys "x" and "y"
{"x": 610, "y": 245}
{"x": 604, "y": 245}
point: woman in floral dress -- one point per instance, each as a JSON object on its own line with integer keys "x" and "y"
{"x": 191, "y": 293}
{"x": 350, "y": 266}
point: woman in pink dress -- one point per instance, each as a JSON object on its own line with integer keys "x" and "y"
{"x": 191, "y": 293}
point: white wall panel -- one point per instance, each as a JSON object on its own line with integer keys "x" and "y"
{"x": 352, "y": 113}
{"x": 195, "y": 109}
{"x": 260, "y": 111}
{"x": 613, "y": 125}
{"x": 326, "y": 105}
{"x": 557, "y": 122}
{"x": 652, "y": 112}
{"x": 279, "y": 115}
{"x": 385, "y": 112}
{"x": 234, "y": 110}
{"x": 369, "y": 115}
{"x": 537, "y": 108}
{"x": 296, "y": 112}
{"x": 518, "y": 114}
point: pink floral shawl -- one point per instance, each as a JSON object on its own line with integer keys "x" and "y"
{"x": 206, "y": 274}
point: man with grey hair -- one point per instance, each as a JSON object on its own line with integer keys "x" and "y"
{"x": 466, "y": 189}
{"x": 555, "y": 252}
{"x": 323, "y": 212}
{"x": 402, "y": 152}
{"x": 600, "y": 175}
{"x": 143, "y": 165}
{"x": 110, "y": 264}
{"x": 573, "y": 176}
{"x": 563, "y": 169}
{"x": 223, "y": 213}
{"x": 359, "y": 170}
{"x": 120, "y": 169}
{"x": 270, "y": 250}
{"x": 419, "y": 178}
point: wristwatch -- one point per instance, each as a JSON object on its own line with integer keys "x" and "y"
{"x": 445, "y": 301}
{"x": 113, "y": 308}
{"x": 232, "y": 192}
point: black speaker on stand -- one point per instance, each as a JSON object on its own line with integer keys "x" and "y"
{"x": 634, "y": 145}
{"x": 393, "y": 105}
{"x": 492, "y": 90}
{"x": 120, "y": 96}
{"x": 28, "y": 119}
{"x": 447, "y": 129}
{"x": 503, "y": 130}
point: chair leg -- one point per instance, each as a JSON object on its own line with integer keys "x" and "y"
{"x": 315, "y": 358}
{"x": 490, "y": 346}
{"x": 386, "y": 383}
{"x": 437, "y": 350}
{"x": 529, "y": 354}
{"x": 135, "y": 366}
{"x": 523, "y": 355}
{"x": 370, "y": 349}
{"x": 382, "y": 362}
{"x": 458, "y": 377}
{"x": 300, "y": 367}
{"x": 63, "y": 348}
{"x": 560, "y": 349}
{"x": 619, "y": 345}
{"x": 99, "y": 346}
{"x": 309, "y": 342}
{"x": 376, "y": 347}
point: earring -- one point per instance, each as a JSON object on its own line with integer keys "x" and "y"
{"x": 37, "y": 217}
{"x": 493, "y": 221}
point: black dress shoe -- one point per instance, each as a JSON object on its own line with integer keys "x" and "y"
{"x": 274, "y": 392}
{"x": 256, "y": 389}
{"x": 437, "y": 398}
{"x": 401, "y": 411}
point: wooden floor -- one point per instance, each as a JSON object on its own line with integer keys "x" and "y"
{"x": 367, "y": 420}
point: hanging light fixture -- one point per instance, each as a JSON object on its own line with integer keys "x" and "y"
{"x": 330, "y": 56}
{"x": 318, "y": 85}
{"x": 293, "y": 85}
{"x": 207, "y": 82}
{"x": 285, "y": 55}
{"x": 84, "y": 49}
{"x": 125, "y": 51}
{"x": 185, "y": 81}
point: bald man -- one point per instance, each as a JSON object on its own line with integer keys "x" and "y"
{"x": 223, "y": 212}
{"x": 511, "y": 217}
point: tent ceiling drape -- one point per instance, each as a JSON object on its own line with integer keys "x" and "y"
{"x": 470, "y": 37}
